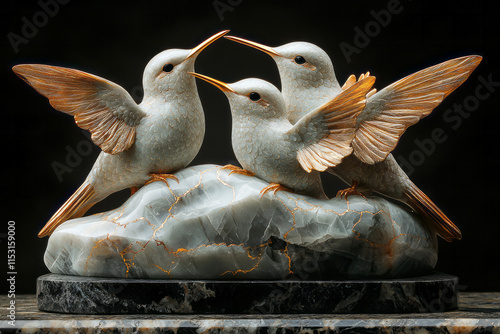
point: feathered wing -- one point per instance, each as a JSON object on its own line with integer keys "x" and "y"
{"x": 98, "y": 105}
{"x": 328, "y": 131}
{"x": 392, "y": 110}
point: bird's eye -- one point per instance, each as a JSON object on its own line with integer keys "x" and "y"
{"x": 300, "y": 60}
{"x": 254, "y": 96}
{"x": 168, "y": 68}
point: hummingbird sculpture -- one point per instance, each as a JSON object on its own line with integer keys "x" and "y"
{"x": 308, "y": 80}
{"x": 140, "y": 143}
{"x": 269, "y": 146}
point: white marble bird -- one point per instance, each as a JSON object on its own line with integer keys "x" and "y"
{"x": 308, "y": 80}
{"x": 140, "y": 142}
{"x": 269, "y": 146}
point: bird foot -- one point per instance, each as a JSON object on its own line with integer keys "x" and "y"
{"x": 133, "y": 190}
{"x": 238, "y": 170}
{"x": 353, "y": 190}
{"x": 274, "y": 187}
{"x": 161, "y": 177}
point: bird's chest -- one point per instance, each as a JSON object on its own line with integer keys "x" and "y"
{"x": 170, "y": 137}
{"x": 300, "y": 101}
{"x": 262, "y": 149}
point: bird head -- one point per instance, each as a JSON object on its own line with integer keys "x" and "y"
{"x": 167, "y": 73}
{"x": 303, "y": 67}
{"x": 301, "y": 62}
{"x": 254, "y": 98}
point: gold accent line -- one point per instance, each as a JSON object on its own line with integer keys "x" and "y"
{"x": 219, "y": 84}
{"x": 261, "y": 47}
{"x": 196, "y": 51}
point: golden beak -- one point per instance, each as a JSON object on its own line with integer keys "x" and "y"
{"x": 196, "y": 51}
{"x": 264, "y": 48}
{"x": 219, "y": 84}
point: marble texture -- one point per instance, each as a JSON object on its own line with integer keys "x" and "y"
{"x": 477, "y": 313}
{"x": 92, "y": 295}
{"x": 216, "y": 225}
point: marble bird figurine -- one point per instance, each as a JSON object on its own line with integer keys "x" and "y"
{"x": 308, "y": 80}
{"x": 140, "y": 143}
{"x": 266, "y": 144}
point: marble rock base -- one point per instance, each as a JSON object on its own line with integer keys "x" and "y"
{"x": 214, "y": 225}
{"x": 92, "y": 295}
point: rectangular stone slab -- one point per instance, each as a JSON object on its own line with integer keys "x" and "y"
{"x": 93, "y": 295}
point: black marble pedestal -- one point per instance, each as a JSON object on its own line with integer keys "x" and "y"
{"x": 92, "y": 295}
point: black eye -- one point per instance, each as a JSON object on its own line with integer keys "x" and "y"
{"x": 254, "y": 96}
{"x": 300, "y": 60}
{"x": 168, "y": 67}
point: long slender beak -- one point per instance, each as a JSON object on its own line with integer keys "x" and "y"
{"x": 196, "y": 51}
{"x": 267, "y": 49}
{"x": 219, "y": 84}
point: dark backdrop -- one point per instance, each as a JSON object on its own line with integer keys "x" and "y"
{"x": 115, "y": 40}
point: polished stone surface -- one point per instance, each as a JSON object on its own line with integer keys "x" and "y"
{"x": 215, "y": 225}
{"x": 478, "y": 313}
{"x": 90, "y": 295}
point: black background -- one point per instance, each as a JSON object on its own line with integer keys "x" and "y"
{"x": 115, "y": 40}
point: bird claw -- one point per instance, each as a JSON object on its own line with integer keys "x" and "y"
{"x": 352, "y": 190}
{"x": 274, "y": 187}
{"x": 161, "y": 177}
{"x": 133, "y": 190}
{"x": 237, "y": 170}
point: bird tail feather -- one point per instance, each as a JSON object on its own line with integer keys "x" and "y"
{"x": 435, "y": 219}
{"x": 74, "y": 207}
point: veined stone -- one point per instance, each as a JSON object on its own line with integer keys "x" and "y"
{"x": 213, "y": 225}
